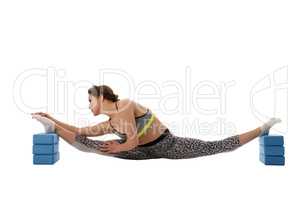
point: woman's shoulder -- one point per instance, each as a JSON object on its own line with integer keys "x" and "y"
{"x": 126, "y": 104}
{"x": 129, "y": 105}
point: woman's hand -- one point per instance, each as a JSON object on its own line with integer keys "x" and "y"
{"x": 111, "y": 146}
{"x": 43, "y": 115}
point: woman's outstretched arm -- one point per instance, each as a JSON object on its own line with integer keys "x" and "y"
{"x": 96, "y": 130}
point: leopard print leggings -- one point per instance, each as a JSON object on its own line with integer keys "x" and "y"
{"x": 170, "y": 147}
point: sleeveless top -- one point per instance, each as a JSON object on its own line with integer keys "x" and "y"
{"x": 143, "y": 123}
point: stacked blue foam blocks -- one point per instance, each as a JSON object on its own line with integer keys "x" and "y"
{"x": 45, "y": 148}
{"x": 271, "y": 150}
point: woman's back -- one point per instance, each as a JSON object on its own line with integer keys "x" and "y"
{"x": 130, "y": 113}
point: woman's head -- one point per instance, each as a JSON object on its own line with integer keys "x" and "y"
{"x": 99, "y": 94}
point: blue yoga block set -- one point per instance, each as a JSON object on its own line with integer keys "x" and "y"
{"x": 271, "y": 150}
{"x": 45, "y": 148}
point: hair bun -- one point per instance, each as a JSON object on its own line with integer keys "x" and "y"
{"x": 105, "y": 91}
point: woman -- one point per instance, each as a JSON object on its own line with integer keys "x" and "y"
{"x": 142, "y": 135}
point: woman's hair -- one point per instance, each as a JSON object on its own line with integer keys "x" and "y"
{"x": 103, "y": 90}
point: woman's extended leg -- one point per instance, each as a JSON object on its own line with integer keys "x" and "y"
{"x": 191, "y": 147}
{"x": 264, "y": 129}
{"x": 80, "y": 142}
{"x": 250, "y": 135}
{"x": 67, "y": 135}
{"x": 183, "y": 147}
{"x": 51, "y": 126}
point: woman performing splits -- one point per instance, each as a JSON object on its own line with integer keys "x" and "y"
{"x": 142, "y": 135}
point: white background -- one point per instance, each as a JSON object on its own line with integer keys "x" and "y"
{"x": 219, "y": 41}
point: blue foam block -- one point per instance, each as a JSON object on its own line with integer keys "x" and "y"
{"x": 45, "y": 159}
{"x": 271, "y": 150}
{"x": 271, "y": 140}
{"x": 272, "y": 160}
{"x": 45, "y": 138}
{"x": 45, "y": 148}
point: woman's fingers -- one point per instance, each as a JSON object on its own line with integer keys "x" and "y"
{"x": 107, "y": 146}
{"x": 104, "y": 149}
{"x": 37, "y": 113}
{"x": 107, "y": 143}
{"x": 40, "y": 113}
{"x": 104, "y": 145}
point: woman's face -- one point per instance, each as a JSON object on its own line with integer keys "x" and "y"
{"x": 95, "y": 106}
